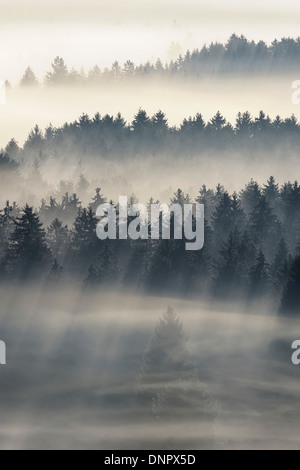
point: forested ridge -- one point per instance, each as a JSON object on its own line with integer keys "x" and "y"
{"x": 112, "y": 137}
{"x": 251, "y": 246}
{"x": 237, "y": 56}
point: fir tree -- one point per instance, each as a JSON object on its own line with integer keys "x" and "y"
{"x": 28, "y": 253}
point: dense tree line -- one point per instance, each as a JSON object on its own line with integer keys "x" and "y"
{"x": 251, "y": 250}
{"x": 237, "y": 55}
{"x": 112, "y": 137}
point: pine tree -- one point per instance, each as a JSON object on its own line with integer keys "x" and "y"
{"x": 98, "y": 199}
{"x": 29, "y": 78}
{"x": 180, "y": 198}
{"x": 84, "y": 233}
{"x": 169, "y": 390}
{"x": 59, "y": 73}
{"x": 250, "y": 196}
{"x": 167, "y": 357}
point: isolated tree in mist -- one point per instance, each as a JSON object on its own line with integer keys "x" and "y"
{"x": 27, "y": 251}
{"x": 259, "y": 277}
{"x": 221, "y": 220}
{"x": 29, "y": 79}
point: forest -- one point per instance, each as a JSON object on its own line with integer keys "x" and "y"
{"x": 130, "y": 342}
{"x": 237, "y": 56}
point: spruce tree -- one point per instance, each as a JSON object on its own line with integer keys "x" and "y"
{"x": 259, "y": 277}
{"x": 28, "y": 253}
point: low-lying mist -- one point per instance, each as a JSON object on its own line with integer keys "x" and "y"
{"x": 74, "y": 361}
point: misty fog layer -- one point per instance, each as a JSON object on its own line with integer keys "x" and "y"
{"x": 24, "y": 109}
{"x": 73, "y": 362}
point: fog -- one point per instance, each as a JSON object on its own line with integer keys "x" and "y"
{"x": 73, "y": 361}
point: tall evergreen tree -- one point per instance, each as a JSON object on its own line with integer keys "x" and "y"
{"x": 290, "y": 301}
{"x": 259, "y": 277}
{"x": 27, "y": 253}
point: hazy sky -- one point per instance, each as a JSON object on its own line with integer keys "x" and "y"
{"x": 98, "y": 31}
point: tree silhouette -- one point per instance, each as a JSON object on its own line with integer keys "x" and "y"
{"x": 169, "y": 388}
{"x": 259, "y": 276}
{"x": 167, "y": 357}
{"x": 27, "y": 253}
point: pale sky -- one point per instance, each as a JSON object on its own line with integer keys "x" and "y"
{"x": 96, "y": 31}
